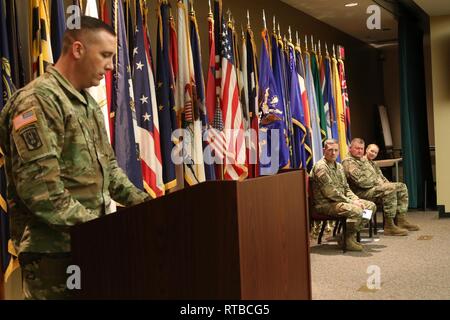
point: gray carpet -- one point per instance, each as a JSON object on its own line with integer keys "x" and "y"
{"x": 416, "y": 266}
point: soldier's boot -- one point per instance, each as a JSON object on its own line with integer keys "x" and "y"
{"x": 351, "y": 243}
{"x": 390, "y": 229}
{"x": 403, "y": 223}
{"x": 350, "y": 238}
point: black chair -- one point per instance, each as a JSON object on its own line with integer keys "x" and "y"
{"x": 340, "y": 221}
{"x": 374, "y": 221}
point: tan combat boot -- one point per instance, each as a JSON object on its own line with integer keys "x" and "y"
{"x": 351, "y": 243}
{"x": 403, "y": 223}
{"x": 390, "y": 229}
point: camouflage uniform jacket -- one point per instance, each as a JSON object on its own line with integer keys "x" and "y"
{"x": 361, "y": 173}
{"x": 380, "y": 176}
{"x": 329, "y": 184}
{"x": 60, "y": 167}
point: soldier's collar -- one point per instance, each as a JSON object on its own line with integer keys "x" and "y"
{"x": 67, "y": 85}
{"x": 330, "y": 163}
{"x": 357, "y": 159}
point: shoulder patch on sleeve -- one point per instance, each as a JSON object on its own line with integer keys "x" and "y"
{"x": 31, "y": 137}
{"x": 24, "y": 119}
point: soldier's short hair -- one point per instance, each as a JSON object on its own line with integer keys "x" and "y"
{"x": 87, "y": 24}
{"x": 357, "y": 140}
{"x": 328, "y": 142}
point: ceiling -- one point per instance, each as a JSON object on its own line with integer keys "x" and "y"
{"x": 434, "y": 7}
{"x": 351, "y": 20}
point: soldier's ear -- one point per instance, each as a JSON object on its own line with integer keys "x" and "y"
{"x": 77, "y": 49}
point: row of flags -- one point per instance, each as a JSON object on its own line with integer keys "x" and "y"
{"x": 171, "y": 127}
{"x": 9, "y": 46}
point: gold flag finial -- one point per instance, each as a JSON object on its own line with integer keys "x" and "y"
{"x": 264, "y": 19}
{"x": 210, "y": 11}
{"x": 191, "y": 5}
{"x": 320, "y": 49}
{"x": 312, "y": 43}
{"x": 274, "y": 26}
{"x": 290, "y": 34}
{"x": 248, "y": 19}
{"x": 306, "y": 42}
{"x": 334, "y": 52}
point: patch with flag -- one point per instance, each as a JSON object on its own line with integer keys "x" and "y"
{"x": 24, "y": 119}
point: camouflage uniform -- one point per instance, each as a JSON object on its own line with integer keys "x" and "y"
{"x": 60, "y": 167}
{"x": 332, "y": 194}
{"x": 367, "y": 181}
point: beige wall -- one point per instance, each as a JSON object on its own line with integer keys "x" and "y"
{"x": 440, "y": 61}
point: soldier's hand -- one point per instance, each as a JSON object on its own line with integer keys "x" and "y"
{"x": 358, "y": 203}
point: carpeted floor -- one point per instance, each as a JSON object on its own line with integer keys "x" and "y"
{"x": 416, "y": 266}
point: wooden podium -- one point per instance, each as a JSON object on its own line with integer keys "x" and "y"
{"x": 215, "y": 240}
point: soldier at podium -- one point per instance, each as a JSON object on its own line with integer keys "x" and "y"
{"x": 332, "y": 194}
{"x": 60, "y": 168}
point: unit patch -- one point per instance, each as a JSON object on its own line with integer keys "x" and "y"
{"x": 31, "y": 137}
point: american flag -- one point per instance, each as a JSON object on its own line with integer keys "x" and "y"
{"x": 235, "y": 168}
{"x": 146, "y": 112}
{"x": 216, "y": 136}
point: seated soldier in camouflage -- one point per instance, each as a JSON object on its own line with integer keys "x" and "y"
{"x": 367, "y": 181}
{"x": 332, "y": 194}
{"x": 60, "y": 168}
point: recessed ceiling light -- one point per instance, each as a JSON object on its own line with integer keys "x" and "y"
{"x": 352, "y": 4}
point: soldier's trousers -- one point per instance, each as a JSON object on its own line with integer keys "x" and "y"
{"x": 393, "y": 196}
{"x": 44, "y": 275}
{"x": 355, "y": 222}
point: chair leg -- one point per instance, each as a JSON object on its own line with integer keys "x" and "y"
{"x": 344, "y": 230}
{"x": 375, "y": 223}
{"x": 336, "y": 227}
{"x": 319, "y": 239}
{"x": 358, "y": 236}
{"x": 339, "y": 227}
{"x": 370, "y": 229}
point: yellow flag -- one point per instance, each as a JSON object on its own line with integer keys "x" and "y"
{"x": 340, "y": 115}
{"x": 41, "y": 49}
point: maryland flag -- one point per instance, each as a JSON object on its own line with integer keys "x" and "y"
{"x": 40, "y": 44}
